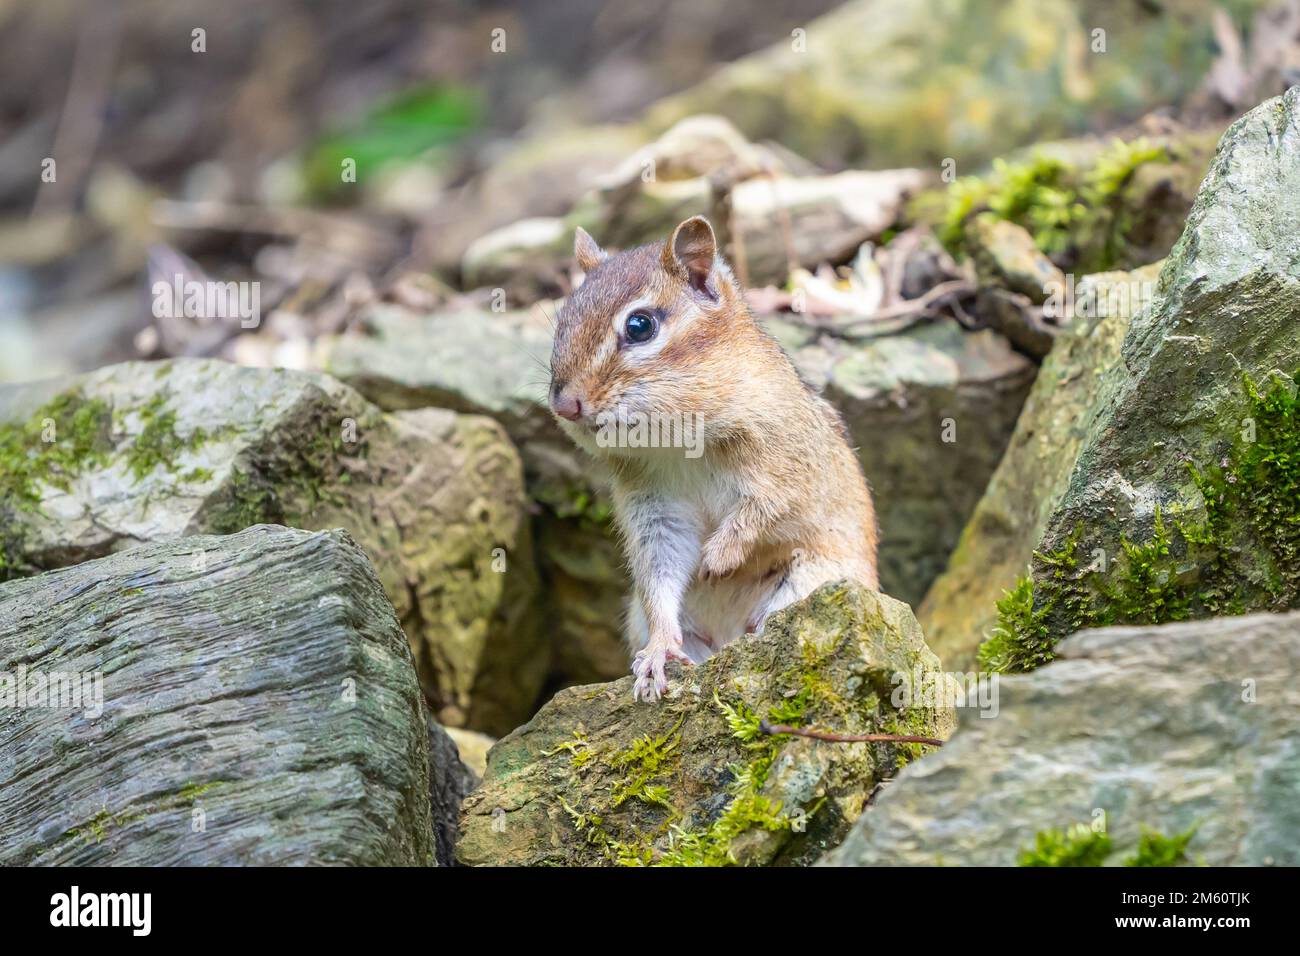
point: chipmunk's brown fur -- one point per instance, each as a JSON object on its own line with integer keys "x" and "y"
{"x": 775, "y": 505}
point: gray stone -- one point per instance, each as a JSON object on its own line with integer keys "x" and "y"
{"x": 1164, "y": 728}
{"x": 259, "y": 708}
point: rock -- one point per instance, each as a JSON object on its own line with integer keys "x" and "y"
{"x": 144, "y": 452}
{"x": 450, "y": 779}
{"x": 1181, "y": 501}
{"x": 930, "y": 412}
{"x": 997, "y": 543}
{"x": 1174, "y": 728}
{"x": 498, "y": 368}
{"x": 596, "y": 778}
{"x": 1015, "y": 317}
{"x": 259, "y": 707}
{"x": 881, "y": 84}
{"x": 1005, "y": 255}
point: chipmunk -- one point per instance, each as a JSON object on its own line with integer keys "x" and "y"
{"x": 774, "y": 504}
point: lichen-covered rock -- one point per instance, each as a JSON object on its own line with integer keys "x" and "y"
{"x": 1185, "y": 727}
{"x": 257, "y": 705}
{"x": 597, "y": 778}
{"x": 143, "y": 452}
{"x": 1182, "y": 500}
{"x": 1005, "y": 255}
{"x": 997, "y": 543}
{"x": 880, "y": 84}
{"x": 929, "y": 412}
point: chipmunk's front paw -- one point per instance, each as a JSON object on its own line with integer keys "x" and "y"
{"x": 721, "y": 556}
{"x": 648, "y": 668}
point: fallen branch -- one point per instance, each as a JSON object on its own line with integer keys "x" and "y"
{"x": 767, "y": 728}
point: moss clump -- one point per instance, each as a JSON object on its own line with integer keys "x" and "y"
{"x": 62, "y": 439}
{"x": 158, "y": 444}
{"x": 1080, "y": 845}
{"x": 643, "y": 771}
{"x": 1241, "y": 552}
{"x": 1156, "y": 849}
{"x": 1078, "y": 217}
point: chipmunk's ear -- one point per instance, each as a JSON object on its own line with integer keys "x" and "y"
{"x": 585, "y": 250}
{"x": 691, "y": 253}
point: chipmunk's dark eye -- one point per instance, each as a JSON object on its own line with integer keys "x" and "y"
{"x": 640, "y": 327}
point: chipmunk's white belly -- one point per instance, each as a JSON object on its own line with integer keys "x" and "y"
{"x": 720, "y": 611}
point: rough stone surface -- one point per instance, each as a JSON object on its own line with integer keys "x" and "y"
{"x": 997, "y": 543}
{"x": 258, "y": 683}
{"x": 149, "y": 451}
{"x": 596, "y": 778}
{"x": 1167, "y": 728}
{"x": 1226, "y": 308}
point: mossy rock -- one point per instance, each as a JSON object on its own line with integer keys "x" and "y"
{"x": 596, "y": 778}
{"x": 1182, "y": 499}
{"x": 998, "y": 542}
{"x": 151, "y": 451}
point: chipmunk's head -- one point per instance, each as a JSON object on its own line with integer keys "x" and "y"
{"x": 647, "y": 331}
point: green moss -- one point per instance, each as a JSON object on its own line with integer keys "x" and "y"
{"x": 1080, "y": 845}
{"x": 643, "y": 763}
{"x": 1155, "y": 849}
{"x": 1078, "y": 217}
{"x": 157, "y": 444}
{"x": 62, "y": 439}
{"x": 747, "y": 808}
{"x": 1241, "y": 552}
{"x": 290, "y": 478}
{"x": 1020, "y": 640}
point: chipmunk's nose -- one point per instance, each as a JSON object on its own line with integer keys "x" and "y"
{"x": 565, "y": 403}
